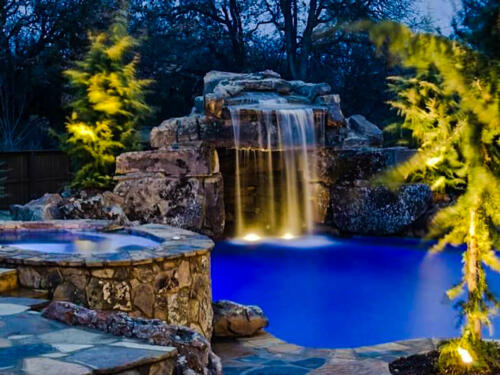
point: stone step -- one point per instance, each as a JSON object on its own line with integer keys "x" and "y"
{"x": 8, "y": 279}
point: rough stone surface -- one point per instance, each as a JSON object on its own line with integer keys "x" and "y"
{"x": 195, "y": 203}
{"x": 335, "y": 115}
{"x": 361, "y": 132}
{"x": 176, "y": 130}
{"x": 345, "y": 166}
{"x": 234, "y": 320}
{"x": 195, "y": 352}
{"x": 377, "y": 210}
{"x": 93, "y": 205}
{"x": 267, "y": 355}
{"x": 191, "y": 159}
{"x": 165, "y": 294}
{"x": 31, "y": 344}
{"x": 44, "y": 208}
{"x": 210, "y": 120}
{"x": 310, "y": 90}
{"x": 170, "y": 281}
{"x": 214, "y": 77}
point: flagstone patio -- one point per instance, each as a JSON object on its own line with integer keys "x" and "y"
{"x": 31, "y": 344}
{"x": 267, "y": 355}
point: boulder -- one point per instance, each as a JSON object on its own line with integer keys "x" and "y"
{"x": 187, "y": 159}
{"x": 194, "y": 203}
{"x": 195, "y": 354}
{"x": 214, "y": 77}
{"x": 234, "y": 320}
{"x": 175, "y": 130}
{"x": 361, "y": 132}
{"x": 345, "y": 166}
{"x": 44, "y": 208}
{"x": 335, "y": 115}
{"x": 94, "y": 205}
{"x": 310, "y": 90}
{"x": 376, "y": 210}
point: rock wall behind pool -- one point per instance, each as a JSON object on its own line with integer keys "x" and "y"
{"x": 188, "y": 179}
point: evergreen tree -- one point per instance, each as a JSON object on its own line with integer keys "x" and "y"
{"x": 478, "y": 24}
{"x": 108, "y": 103}
{"x": 450, "y": 103}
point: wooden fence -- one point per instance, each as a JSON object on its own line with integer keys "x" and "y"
{"x": 30, "y": 174}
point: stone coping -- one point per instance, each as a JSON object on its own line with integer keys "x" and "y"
{"x": 174, "y": 243}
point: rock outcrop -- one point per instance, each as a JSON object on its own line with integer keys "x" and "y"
{"x": 210, "y": 119}
{"x": 234, "y": 320}
{"x": 44, "y": 208}
{"x": 93, "y": 205}
{"x": 195, "y": 353}
{"x": 361, "y": 132}
{"x": 178, "y": 184}
{"x": 376, "y": 210}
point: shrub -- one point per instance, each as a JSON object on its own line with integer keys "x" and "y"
{"x": 108, "y": 103}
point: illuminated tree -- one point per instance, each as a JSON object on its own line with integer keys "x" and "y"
{"x": 450, "y": 103}
{"x": 108, "y": 103}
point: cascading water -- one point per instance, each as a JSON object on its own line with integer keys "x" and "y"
{"x": 281, "y": 164}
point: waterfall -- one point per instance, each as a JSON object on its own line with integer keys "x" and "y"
{"x": 274, "y": 176}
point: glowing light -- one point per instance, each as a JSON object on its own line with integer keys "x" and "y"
{"x": 251, "y": 237}
{"x": 288, "y": 236}
{"x": 464, "y": 355}
{"x": 431, "y": 162}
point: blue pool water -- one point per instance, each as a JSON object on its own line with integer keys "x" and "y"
{"x": 335, "y": 293}
{"x": 72, "y": 241}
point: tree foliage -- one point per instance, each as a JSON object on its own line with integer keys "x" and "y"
{"x": 108, "y": 102}
{"x": 478, "y": 24}
{"x": 450, "y": 102}
{"x": 37, "y": 37}
{"x": 181, "y": 42}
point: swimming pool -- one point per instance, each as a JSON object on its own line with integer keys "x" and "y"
{"x": 334, "y": 293}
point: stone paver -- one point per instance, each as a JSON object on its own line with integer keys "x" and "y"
{"x": 267, "y": 355}
{"x": 31, "y": 344}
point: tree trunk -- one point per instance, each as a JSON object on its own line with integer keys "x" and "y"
{"x": 290, "y": 37}
{"x": 236, "y": 30}
{"x": 472, "y": 268}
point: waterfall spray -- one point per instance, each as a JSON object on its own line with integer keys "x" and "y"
{"x": 290, "y": 133}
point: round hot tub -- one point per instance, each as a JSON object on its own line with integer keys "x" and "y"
{"x": 155, "y": 271}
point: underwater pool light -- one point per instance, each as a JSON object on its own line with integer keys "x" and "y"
{"x": 251, "y": 237}
{"x": 288, "y": 236}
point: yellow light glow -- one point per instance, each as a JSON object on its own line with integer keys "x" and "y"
{"x": 464, "y": 355}
{"x": 288, "y": 236}
{"x": 431, "y": 162}
{"x": 83, "y": 131}
{"x": 251, "y": 237}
